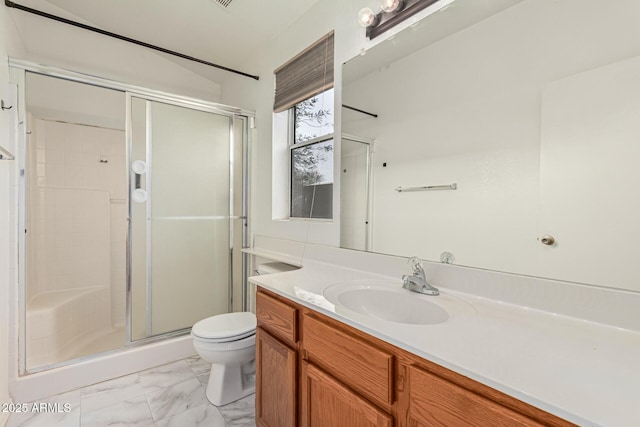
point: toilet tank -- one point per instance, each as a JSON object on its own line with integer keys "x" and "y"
{"x": 261, "y": 269}
{"x": 274, "y": 267}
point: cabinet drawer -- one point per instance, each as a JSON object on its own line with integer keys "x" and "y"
{"x": 328, "y": 403}
{"x": 353, "y": 361}
{"x": 277, "y": 317}
{"x": 437, "y": 402}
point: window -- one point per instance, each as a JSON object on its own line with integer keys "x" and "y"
{"x": 304, "y": 93}
{"x": 311, "y": 157}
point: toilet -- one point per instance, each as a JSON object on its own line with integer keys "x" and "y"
{"x": 228, "y": 342}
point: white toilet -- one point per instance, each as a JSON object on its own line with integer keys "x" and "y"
{"x": 228, "y": 341}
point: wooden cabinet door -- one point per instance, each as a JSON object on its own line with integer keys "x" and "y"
{"x": 276, "y": 382}
{"x": 434, "y": 401}
{"x": 352, "y": 360}
{"x": 328, "y": 403}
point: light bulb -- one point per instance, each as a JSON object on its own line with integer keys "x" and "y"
{"x": 366, "y": 17}
{"x": 392, "y": 5}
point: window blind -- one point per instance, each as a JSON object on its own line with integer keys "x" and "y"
{"x": 307, "y": 74}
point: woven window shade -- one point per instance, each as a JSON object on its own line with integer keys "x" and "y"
{"x": 306, "y": 75}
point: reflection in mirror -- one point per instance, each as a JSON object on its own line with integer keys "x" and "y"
{"x": 532, "y": 108}
{"x": 355, "y": 161}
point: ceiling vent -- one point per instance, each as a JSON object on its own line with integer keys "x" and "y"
{"x": 224, "y": 3}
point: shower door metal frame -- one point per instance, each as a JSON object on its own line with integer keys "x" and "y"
{"x": 207, "y": 108}
{"x": 18, "y": 69}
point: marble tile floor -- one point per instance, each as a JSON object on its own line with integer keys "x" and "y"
{"x": 171, "y": 395}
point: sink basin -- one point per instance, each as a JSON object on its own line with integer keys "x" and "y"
{"x": 386, "y": 302}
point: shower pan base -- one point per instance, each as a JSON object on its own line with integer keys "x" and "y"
{"x": 32, "y": 387}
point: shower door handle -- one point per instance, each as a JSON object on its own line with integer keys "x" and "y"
{"x": 138, "y": 167}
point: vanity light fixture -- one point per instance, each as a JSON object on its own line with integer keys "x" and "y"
{"x": 391, "y": 13}
{"x": 390, "y": 6}
{"x": 367, "y": 18}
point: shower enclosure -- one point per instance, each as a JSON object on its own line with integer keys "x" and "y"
{"x": 132, "y": 215}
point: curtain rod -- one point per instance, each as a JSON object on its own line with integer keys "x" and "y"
{"x": 359, "y": 110}
{"x": 11, "y": 4}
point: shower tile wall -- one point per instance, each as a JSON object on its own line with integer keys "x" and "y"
{"x": 77, "y": 194}
{"x": 71, "y": 239}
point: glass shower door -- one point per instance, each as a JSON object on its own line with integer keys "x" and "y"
{"x": 180, "y": 216}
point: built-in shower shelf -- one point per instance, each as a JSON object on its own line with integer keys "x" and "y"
{"x": 48, "y": 300}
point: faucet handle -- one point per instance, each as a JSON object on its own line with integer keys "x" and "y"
{"x": 416, "y": 265}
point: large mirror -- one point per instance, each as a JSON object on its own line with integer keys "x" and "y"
{"x": 532, "y": 108}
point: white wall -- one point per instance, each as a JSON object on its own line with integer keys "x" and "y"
{"x": 7, "y": 242}
{"x": 258, "y": 96}
{"x": 324, "y": 16}
{"x": 52, "y": 43}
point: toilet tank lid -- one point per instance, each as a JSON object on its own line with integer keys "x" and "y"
{"x": 226, "y": 325}
{"x": 274, "y": 267}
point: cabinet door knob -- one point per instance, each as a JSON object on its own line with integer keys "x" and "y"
{"x": 547, "y": 240}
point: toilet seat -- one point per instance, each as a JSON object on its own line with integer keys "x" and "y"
{"x": 225, "y": 327}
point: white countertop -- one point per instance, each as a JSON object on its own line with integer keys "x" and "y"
{"x": 582, "y": 371}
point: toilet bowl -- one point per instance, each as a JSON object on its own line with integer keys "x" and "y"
{"x": 228, "y": 342}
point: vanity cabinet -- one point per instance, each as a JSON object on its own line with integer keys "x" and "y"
{"x": 326, "y": 401}
{"x": 276, "y": 362}
{"x": 345, "y": 380}
{"x": 434, "y": 401}
{"x": 353, "y": 361}
{"x": 315, "y": 371}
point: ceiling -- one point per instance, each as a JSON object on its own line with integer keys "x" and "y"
{"x": 200, "y": 28}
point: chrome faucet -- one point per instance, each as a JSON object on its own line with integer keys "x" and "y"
{"x": 418, "y": 282}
